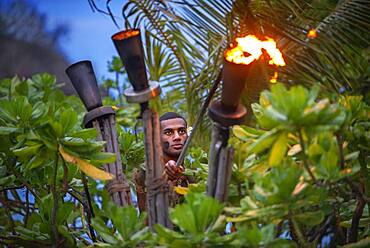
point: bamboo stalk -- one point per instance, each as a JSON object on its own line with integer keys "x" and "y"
{"x": 212, "y": 162}
{"x": 149, "y": 158}
{"x": 220, "y": 181}
{"x": 106, "y": 129}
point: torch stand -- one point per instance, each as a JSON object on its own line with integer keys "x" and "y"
{"x": 221, "y": 155}
{"x": 225, "y": 113}
{"x": 156, "y": 181}
{"x": 103, "y": 119}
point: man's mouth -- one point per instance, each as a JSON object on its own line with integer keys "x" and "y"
{"x": 177, "y": 146}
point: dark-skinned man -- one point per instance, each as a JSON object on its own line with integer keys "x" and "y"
{"x": 173, "y": 135}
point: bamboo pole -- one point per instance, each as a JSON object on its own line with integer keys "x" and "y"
{"x": 118, "y": 188}
{"x": 220, "y": 163}
{"x": 156, "y": 182}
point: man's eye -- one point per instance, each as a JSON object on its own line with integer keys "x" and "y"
{"x": 167, "y": 132}
{"x": 182, "y": 131}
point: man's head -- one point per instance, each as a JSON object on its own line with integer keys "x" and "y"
{"x": 173, "y": 134}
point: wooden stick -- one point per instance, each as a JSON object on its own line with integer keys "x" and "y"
{"x": 157, "y": 198}
{"x": 119, "y": 187}
{"x": 149, "y": 158}
{"x": 221, "y": 174}
{"x": 199, "y": 119}
{"x": 213, "y": 160}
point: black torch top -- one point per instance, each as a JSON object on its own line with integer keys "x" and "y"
{"x": 130, "y": 49}
{"x": 84, "y": 81}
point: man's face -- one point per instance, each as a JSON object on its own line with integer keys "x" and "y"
{"x": 173, "y": 136}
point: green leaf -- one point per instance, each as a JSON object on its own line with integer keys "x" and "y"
{"x": 27, "y": 150}
{"x": 4, "y": 181}
{"x": 87, "y": 133}
{"x": 310, "y": 218}
{"x": 183, "y": 216}
{"x": 103, "y": 157}
{"x": 68, "y": 120}
{"x": 104, "y": 231}
{"x": 263, "y": 142}
{"x": 278, "y": 150}
{"x": 9, "y": 130}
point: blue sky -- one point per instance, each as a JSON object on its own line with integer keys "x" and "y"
{"x": 89, "y": 32}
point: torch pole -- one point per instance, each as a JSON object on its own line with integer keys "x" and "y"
{"x": 129, "y": 46}
{"x": 225, "y": 113}
{"x": 103, "y": 120}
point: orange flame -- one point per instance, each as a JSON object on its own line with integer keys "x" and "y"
{"x": 312, "y": 34}
{"x": 249, "y": 48}
{"x": 125, "y": 34}
{"x": 274, "y": 78}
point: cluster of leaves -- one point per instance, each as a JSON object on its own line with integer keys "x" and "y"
{"x": 43, "y": 152}
{"x": 299, "y": 179}
{"x": 301, "y": 173}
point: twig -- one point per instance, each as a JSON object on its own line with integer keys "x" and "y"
{"x": 27, "y": 208}
{"x": 76, "y": 197}
{"x": 10, "y": 188}
{"x": 305, "y": 159}
{"x": 353, "y": 231}
{"x": 321, "y": 231}
{"x": 89, "y": 208}
{"x": 199, "y": 119}
{"x": 297, "y": 231}
{"x": 55, "y": 201}
{"x": 340, "y": 148}
{"x": 4, "y": 202}
{"x": 65, "y": 177}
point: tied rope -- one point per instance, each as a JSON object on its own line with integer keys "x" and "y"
{"x": 117, "y": 185}
{"x": 157, "y": 185}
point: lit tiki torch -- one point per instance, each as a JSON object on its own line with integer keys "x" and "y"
{"x": 103, "y": 119}
{"x": 129, "y": 46}
{"x": 238, "y": 60}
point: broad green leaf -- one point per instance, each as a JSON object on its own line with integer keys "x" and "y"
{"x": 310, "y": 218}
{"x": 278, "y": 150}
{"x": 183, "y": 216}
{"x": 103, "y": 157}
{"x": 27, "y": 150}
{"x": 263, "y": 142}
{"x": 87, "y": 133}
{"x": 104, "y": 231}
{"x": 9, "y": 130}
{"x": 4, "y": 181}
{"x": 68, "y": 120}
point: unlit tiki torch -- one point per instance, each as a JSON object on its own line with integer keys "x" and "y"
{"x": 129, "y": 46}
{"x": 103, "y": 119}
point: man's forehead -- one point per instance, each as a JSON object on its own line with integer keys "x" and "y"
{"x": 173, "y": 123}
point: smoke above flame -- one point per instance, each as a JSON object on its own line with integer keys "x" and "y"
{"x": 250, "y": 48}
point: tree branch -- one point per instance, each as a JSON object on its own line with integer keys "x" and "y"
{"x": 88, "y": 207}
{"x": 353, "y": 231}
{"x": 305, "y": 159}
{"x": 55, "y": 201}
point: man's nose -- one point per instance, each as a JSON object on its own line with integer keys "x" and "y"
{"x": 176, "y": 136}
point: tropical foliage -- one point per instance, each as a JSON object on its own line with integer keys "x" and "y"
{"x": 300, "y": 174}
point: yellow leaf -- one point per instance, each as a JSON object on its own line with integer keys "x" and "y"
{"x": 278, "y": 150}
{"x": 181, "y": 190}
{"x": 299, "y": 187}
{"x": 86, "y": 167}
{"x": 115, "y": 108}
{"x": 294, "y": 150}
